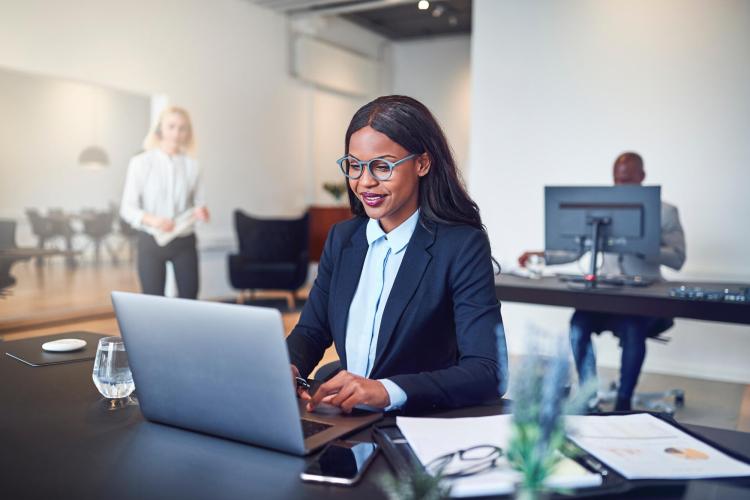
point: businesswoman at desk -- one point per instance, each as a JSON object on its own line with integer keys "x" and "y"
{"x": 405, "y": 289}
{"x": 163, "y": 197}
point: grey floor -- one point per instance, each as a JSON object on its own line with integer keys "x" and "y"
{"x": 707, "y": 402}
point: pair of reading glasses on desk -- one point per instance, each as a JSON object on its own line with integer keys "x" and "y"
{"x": 466, "y": 462}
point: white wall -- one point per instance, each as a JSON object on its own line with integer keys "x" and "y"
{"x": 561, "y": 88}
{"x": 329, "y": 113}
{"x": 227, "y": 62}
{"x": 45, "y": 124}
{"x": 437, "y": 71}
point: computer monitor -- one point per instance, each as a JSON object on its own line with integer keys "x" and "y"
{"x": 620, "y": 219}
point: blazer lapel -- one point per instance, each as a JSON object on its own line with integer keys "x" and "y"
{"x": 409, "y": 276}
{"x": 349, "y": 269}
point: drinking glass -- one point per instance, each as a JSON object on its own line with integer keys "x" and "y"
{"x": 112, "y": 374}
{"x": 535, "y": 265}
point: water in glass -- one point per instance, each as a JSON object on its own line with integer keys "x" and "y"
{"x": 111, "y": 371}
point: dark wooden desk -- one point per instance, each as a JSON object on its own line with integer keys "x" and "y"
{"x": 653, "y": 300}
{"x": 57, "y": 440}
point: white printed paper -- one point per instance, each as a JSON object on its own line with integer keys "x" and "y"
{"x": 431, "y": 438}
{"x": 641, "y": 446}
{"x": 183, "y": 223}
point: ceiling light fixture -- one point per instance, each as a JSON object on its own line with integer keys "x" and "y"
{"x": 438, "y": 11}
{"x": 94, "y": 157}
{"x": 423, "y": 5}
{"x": 453, "y": 20}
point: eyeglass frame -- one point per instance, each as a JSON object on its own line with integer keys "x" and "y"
{"x": 473, "y": 466}
{"x": 392, "y": 165}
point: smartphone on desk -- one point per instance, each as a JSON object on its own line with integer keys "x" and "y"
{"x": 341, "y": 462}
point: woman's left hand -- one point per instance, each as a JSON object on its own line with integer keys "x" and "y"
{"x": 201, "y": 213}
{"x": 347, "y": 390}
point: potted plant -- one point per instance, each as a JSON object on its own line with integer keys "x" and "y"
{"x": 335, "y": 189}
{"x": 540, "y": 403}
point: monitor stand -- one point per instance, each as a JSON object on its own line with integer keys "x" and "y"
{"x": 591, "y": 280}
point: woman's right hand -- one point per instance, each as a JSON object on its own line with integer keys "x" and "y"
{"x": 301, "y": 392}
{"x": 161, "y": 223}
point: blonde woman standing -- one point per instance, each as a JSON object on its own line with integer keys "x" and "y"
{"x": 163, "y": 197}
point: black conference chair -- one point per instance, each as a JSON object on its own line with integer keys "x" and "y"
{"x": 7, "y": 242}
{"x": 129, "y": 236}
{"x": 273, "y": 255}
{"x": 97, "y": 226}
{"x": 43, "y": 228}
{"x": 7, "y": 234}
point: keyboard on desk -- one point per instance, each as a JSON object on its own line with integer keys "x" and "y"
{"x": 736, "y": 295}
{"x": 623, "y": 280}
{"x": 310, "y": 428}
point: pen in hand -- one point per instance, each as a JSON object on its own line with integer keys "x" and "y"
{"x": 302, "y": 383}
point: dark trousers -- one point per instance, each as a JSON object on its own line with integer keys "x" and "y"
{"x": 630, "y": 329}
{"x": 152, "y": 265}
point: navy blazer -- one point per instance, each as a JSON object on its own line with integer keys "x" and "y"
{"x": 437, "y": 338}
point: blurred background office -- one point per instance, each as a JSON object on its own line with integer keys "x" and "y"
{"x": 530, "y": 93}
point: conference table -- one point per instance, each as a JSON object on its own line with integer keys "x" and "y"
{"x": 653, "y": 300}
{"x": 59, "y": 440}
{"x": 9, "y": 256}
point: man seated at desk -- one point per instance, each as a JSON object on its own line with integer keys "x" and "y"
{"x": 632, "y": 330}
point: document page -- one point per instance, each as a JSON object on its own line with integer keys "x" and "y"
{"x": 431, "y": 438}
{"x": 642, "y": 446}
{"x": 182, "y": 225}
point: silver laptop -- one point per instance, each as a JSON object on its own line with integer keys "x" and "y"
{"x": 221, "y": 369}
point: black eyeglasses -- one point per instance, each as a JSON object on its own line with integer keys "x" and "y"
{"x": 380, "y": 168}
{"x": 466, "y": 462}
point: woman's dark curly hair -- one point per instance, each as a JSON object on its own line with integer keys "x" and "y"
{"x": 408, "y": 122}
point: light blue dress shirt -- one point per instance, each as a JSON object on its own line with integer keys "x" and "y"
{"x": 383, "y": 259}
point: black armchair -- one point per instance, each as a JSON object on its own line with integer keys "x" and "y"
{"x": 273, "y": 255}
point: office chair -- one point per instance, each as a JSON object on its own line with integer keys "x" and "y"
{"x": 97, "y": 226}
{"x": 666, "y": 401}
{"x": 658, "y": 401}
{"x": 129, "y": 236}
{"x": 273, "y": 255}
{"x": 7, "y": 242}
{"x": 7, "y": 234}
{"x": 43, "y": 228}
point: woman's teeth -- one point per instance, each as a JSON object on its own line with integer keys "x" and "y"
{"x": 373, "y": 199}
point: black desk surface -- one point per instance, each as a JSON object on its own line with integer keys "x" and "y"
{"x": 653, "y": 300}
{"x": 57, "y": 440}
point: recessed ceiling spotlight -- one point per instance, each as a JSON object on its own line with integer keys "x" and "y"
{"x": 438, "y": 11}
{"x": 423, "y": 5}
{"x": 453, "y": 20}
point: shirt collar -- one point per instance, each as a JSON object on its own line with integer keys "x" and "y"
{"x": 396, "y": 239}
{"x": 167, "y": 157}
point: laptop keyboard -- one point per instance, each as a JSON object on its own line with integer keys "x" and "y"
{"x": 310, "y": 428}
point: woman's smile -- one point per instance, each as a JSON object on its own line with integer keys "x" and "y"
{"x": 372, "y": 199}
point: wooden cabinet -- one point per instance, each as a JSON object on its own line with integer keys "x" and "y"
{"x": 321, "y": 220}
